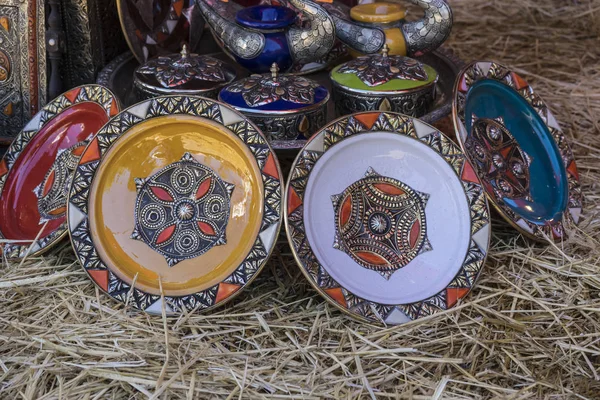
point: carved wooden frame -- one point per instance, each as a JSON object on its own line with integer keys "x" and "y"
{"x": 23, "y": 50}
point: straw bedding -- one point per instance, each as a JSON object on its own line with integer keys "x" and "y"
{"x": 530, "y": 329}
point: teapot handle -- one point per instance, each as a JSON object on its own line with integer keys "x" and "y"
{"x": 315, "y": 38}
{"x": 242, "y": 42}
{"x": 429, "y": 32}
{"x": 360, "y": 38}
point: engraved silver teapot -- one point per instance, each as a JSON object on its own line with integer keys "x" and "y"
{"x": 258, "y": 36}
{"x": 365, "y": 28}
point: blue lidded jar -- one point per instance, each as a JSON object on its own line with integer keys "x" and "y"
{"x": 284, "y": 107}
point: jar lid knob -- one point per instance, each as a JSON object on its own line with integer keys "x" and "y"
{"x": 184, "y": 51}
{"x": 274, "y": 71}
{"x": 385, "y": 50}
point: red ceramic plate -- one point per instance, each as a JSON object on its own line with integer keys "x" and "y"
{"x": 36, "y": 171}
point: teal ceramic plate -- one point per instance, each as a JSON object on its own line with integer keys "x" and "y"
{"x": 518, "y": 150}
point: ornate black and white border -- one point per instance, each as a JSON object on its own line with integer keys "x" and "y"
{"x": 477, "y": 71}
{"x": 364, "y": 123}
{"x": 79, "y": 227}
{"x": 88, "y": 93}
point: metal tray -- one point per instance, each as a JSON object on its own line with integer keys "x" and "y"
{"x": 118, "y": 77}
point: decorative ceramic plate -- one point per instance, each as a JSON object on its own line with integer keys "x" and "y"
{"x": 518, "y": 150}
{"x": 36, "y": 170}
{"x": 386, "y": 218}
{"x": 177, "y": 196}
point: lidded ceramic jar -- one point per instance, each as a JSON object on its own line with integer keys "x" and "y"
{"x": 182, "y": 74}
{"x": 384, "y": 83}
{"x": 284, "y": 107}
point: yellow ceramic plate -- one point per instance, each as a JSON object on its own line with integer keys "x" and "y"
{"x": 176, "y": 196}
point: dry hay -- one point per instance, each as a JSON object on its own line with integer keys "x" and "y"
{"x": 531, "y": 328}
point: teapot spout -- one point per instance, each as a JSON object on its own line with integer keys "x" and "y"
{"x": 240, "y": 41}
{"x": 429, "y": 32}
{"x": 316, "y": 40}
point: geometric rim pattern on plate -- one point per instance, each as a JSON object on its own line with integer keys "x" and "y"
{"x": 87, "y": 93}
{"x": 79, "y": 227}
{"x": 322, "y": 281}
{"x": 477, "y": 71}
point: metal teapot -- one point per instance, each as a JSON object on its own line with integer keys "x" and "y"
{"x": 229, "y": 9}
{"x": 367, "y": 27}
{"x": 265, "y": 34}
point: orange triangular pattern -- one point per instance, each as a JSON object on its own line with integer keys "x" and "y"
{"x": 3, "y": 167}
{"x": 453, "y": 294}
{"x": 506, "y": 151}
{"x": 520, "y": 83}
{"x": 572, "y": 169}
{"x": 468, "y": 173}
{"x": 77, "y": 151}
{"x": 270, "y": 167}
{"x": 178, "y": 6}
{"x": 368, "y": 119}
{"x": 225, "y": 290}
{"x": 92, "y": 153}
{"x": 72, "y": 94}
{"x": 114, "y": 108}
{"x": 100, "y": 276}
{"x": 338, "y": 296}
{"x": 294, "y": 200}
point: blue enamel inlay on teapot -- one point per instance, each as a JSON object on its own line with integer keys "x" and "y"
{"x": 264, "y": 34}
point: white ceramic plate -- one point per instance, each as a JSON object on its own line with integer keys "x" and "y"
{"x": 386, "y": 217}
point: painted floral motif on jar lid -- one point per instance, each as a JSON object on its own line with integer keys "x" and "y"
{"x": 384, "y": 82}
{"x": 285, "y": 107}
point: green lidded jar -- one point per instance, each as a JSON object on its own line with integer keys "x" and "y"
{"x": 384, "y": 83}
